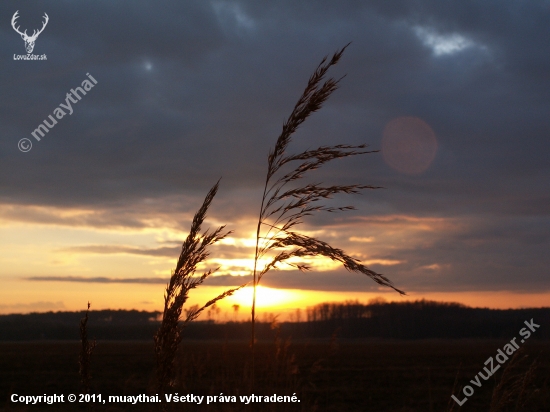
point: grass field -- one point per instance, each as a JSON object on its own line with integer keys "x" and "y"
{"x": 376, "y": 375}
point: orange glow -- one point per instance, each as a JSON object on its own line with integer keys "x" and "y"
{"x": 42, "y": 241}
{"x": 20, "y": 296}
{"x": 267, "y": 297}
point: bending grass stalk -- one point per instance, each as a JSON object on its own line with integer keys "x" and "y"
{"x": 86, "y": 350}
{"x": 282, "y": 208}
{"x": 194, "y": 251}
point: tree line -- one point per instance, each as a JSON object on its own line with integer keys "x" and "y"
{"x": 351, "y": 320}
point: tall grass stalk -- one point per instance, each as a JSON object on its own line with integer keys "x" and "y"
{"x": 283, "y": 208}
{"x": 194, "y": 251}
{"x": 86, "y": 350}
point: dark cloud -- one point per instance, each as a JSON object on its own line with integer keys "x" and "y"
{"x": 193, "y": 90}
{"x": 220, "y": 251}
{"x": 219, "y": 280}
{"x": 99, "y": 279}
{"x": 40, "y": 306}
{"x": 336, "y": 281}
{"x": 112, "y": 249}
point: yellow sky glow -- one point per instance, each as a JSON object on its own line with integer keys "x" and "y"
{"x": 61, "y": 248}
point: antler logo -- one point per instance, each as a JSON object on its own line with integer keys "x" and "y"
{"x": 29, "y": 40}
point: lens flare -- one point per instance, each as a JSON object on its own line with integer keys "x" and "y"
{"x": 409, "y": 145}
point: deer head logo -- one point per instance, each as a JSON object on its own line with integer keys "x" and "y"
{"x": 29, "y": 40}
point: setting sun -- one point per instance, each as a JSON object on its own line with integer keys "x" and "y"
{"x": 267, "y": 297}
{"x": 306, "y": 205}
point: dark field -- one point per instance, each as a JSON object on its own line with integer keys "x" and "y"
{"x": 376, "y": 375}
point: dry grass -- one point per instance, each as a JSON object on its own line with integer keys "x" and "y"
{"x": 362, "y": 375}
{"x": 194, "y": 251}
{"x": 283, "y": 208}
{"x": 86, "y": 350}
{"x": 514, "y": 387}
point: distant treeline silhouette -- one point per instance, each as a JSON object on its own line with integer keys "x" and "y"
{"x": 421, "y": 320}
{"x": 349, "y": 320}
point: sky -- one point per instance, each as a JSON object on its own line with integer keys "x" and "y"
{"x": 454, "y": 95}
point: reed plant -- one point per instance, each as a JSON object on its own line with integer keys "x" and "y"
{"x": 513, "y": 389}
{"x": 284, "y": 207}
{"x": 86, "y": 350}
{"x": 515, "y": 386}
{"x": 194, "y": 251}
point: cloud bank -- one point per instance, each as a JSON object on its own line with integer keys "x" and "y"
{"x": 193, "y": 90}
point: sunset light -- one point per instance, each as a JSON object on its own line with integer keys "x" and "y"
{"x": 268, "y": 298}
{"x": 241, "y": 205}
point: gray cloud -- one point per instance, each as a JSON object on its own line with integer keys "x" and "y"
{"x": 194, "y": 90}
{"x": 40, "y": 306}
{"x": 99, "y": 279}
{"x": 218, "y": 280}
{"x": 220, "y": 251}
{"x": 327, "y": 281}
{"x": 115, "y": 249}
